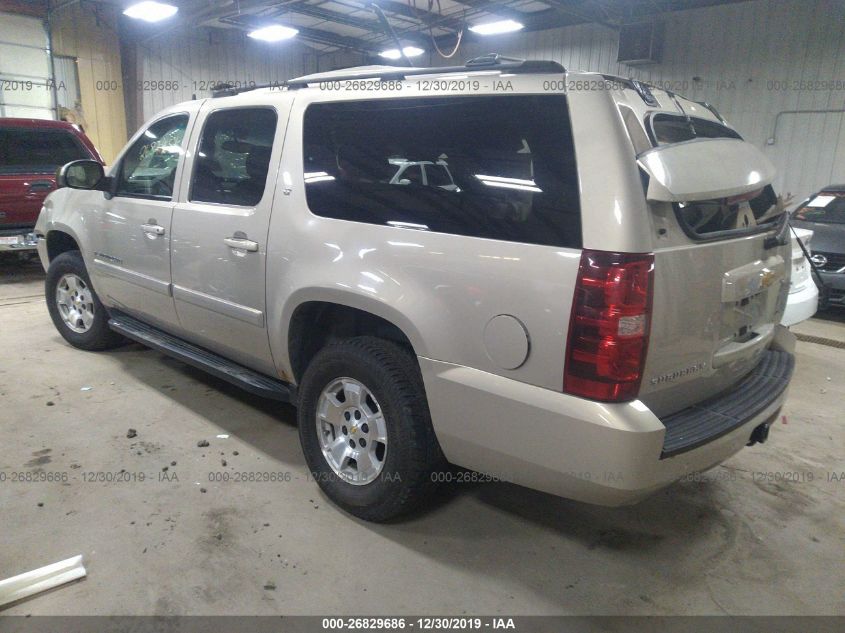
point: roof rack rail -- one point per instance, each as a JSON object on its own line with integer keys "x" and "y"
{"x": 492, "y": 61}
{"x": 228, "y": 90}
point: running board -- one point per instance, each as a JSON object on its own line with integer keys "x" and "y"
{"x": 214, "y": 364}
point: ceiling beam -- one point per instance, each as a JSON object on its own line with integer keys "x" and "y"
{"x": 315, "y": 11}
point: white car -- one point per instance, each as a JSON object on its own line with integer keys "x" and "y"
{"x": 803, "y": 300}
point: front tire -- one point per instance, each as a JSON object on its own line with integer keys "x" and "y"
{"x": 74, "y": 306}
{"x": 365, "y": 428}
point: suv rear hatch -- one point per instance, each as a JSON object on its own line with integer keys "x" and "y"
{"x": 721, "y": 259}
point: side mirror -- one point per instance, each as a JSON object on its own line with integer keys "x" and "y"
{"x": 81, "y": 174}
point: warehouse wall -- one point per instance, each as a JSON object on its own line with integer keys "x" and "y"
{"x": 91, "y": 39}
{"x": 178, "y": 65}
{"x": 751, "y": 60}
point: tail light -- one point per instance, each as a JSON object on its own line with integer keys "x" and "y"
{"x": 608, "y": 331}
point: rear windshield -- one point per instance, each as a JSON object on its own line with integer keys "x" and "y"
{"x": 26, "y": 151}
{"x": 672, "y": 128}
{"x": 827, "y": 207}
{"x": 499, "y": 167}
{"x": 727, "y": 216}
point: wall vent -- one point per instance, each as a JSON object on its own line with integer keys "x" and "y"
{"x": 640, "y": 43}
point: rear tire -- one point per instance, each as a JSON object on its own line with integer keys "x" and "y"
{"x": 77, "y": 312}
{"x": 369, "y": 389}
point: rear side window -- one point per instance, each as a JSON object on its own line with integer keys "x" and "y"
{"x": 27, "y": 151}
{"x": 671, "y": 128}
{"x": 728, "y": 216}
{"x": 494, "y": 167}
{"x": 234, "y": 156}
{"x": 827, "y": 207}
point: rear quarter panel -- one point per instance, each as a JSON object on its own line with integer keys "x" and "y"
{"x": 440, "y": 289}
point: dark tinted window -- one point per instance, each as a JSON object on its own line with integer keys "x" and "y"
{"x": 25, "y": 151}
{"x": 496, "y": 167}
{"x": 826, "y": 206}
{"x": 710, "y": 218}
{"x": 671, "y": 128}
{"x": 234, "y": 155}
{"x": 149, "y": 167}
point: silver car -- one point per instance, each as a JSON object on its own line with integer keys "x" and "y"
{"x": 584, "y": 298}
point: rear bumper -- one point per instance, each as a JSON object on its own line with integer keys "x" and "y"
{"x": 607, "y": 454}
{"x": 801, "y": 305}
{"x": 17, "y": 240}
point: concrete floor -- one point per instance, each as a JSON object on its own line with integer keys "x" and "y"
{"x": 729, "y": 543}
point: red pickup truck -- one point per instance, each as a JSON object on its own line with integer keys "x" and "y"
{"x": 31, "y": 150}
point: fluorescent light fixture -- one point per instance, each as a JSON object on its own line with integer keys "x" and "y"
{"x": 495, "y": 28}
{"x": 393, "y": 53}
{"x": 149, "y": 11}
{"x": 273, "y": 33}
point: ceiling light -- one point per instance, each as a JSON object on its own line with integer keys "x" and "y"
{"x": 149, "y": 11}
{"x": 273, "y": 33}
{"x": 409, "y": 51}
{"x": 495, "y": 28}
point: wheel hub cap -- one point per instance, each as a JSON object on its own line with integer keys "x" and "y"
{"x": 75, "y": 303}
{"x": 352, "y": 431}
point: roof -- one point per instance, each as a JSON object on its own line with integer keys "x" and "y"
{"x": 37, "y": 123}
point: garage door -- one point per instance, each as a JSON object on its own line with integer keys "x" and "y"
{"x": 25, "y": 86}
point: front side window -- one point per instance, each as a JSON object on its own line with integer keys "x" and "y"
{"x": 37, "y": 151}
{"x": 498, "y": 167}
{"x": 234, "y": 156}
{"x": 149, "y": 167}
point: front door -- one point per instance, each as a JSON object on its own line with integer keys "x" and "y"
{"x": 220, "y": 232}
{"x": 131, "y": 233}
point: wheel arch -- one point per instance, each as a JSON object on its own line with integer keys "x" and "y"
{"x": 316, "y": 317}
{"x": 60, "y": 240}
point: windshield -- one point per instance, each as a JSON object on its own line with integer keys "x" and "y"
{"x": 827, "y": 207}
{"x": 27, "y": 151}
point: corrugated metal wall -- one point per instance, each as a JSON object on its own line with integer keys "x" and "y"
{"x": 176, "y": 66}
{"x": 751, "y": 60}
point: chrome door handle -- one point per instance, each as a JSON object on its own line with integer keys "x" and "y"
{"x": 153, "y": 229}
{"x": 241, "y": 243}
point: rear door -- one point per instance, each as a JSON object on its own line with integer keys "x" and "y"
{"x": 722, "y": 265}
